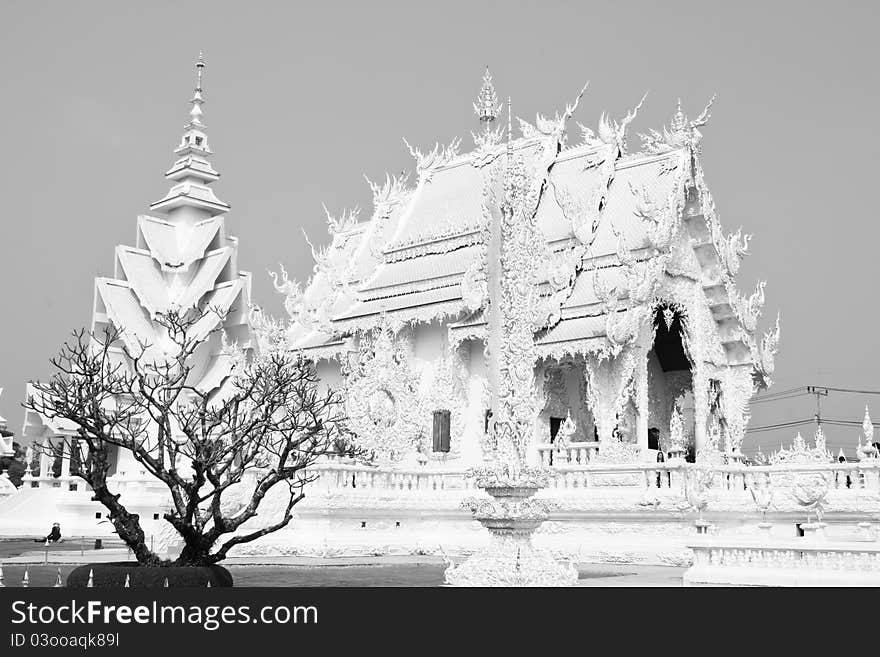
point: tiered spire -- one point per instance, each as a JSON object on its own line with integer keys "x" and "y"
{"x": 193, "y": 171}
{"x": 679, "y": 121}
{"x": 868, "y": 427}
{"x": 487, "y": 108}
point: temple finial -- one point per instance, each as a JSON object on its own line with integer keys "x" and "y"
{"x": 487, "y": 108}
{"x": 195, "y": 112}
{"x": 192, "y": 172}
{"x": 678, "y": 119}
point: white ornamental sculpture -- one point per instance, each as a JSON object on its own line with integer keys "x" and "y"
{"x": 381, "y": 398}
{"x": 868, "y": 450}
{"x": 762, "y": 495}
{"x": 698, "y": 483}
{"x": 566, "y": 433}
{"x": 510, "y": 512}
{"x": 677, "y": 439}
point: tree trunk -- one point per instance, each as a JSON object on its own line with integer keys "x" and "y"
{"x": 127, "y": 526}
{"x": 196, "y": 552}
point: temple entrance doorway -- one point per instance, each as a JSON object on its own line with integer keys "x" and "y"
{"x": 670, "y": 382}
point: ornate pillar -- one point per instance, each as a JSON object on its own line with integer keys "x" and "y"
{"x": 609, "y": 387}
{"x": 701, "y": 405}
{"x": 640, "y": 376}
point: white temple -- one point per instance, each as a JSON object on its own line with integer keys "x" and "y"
{"x": 182, "y": 258}
{"x": 604, "y": 322}
{"x": 638, "y": 311}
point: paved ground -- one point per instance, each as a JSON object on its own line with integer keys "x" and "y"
{"x": 18, "y": 556}
{"x": 72, "y": 548}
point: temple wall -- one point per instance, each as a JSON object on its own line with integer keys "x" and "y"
{"x": 599, "y": 526}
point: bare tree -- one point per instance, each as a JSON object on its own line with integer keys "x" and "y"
{"x": 262, "y": 428}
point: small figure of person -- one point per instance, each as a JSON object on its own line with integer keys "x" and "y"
{"x": 842, "y": 459}
{"x": 660, "y": 459}
{"x": 53, "y": 536}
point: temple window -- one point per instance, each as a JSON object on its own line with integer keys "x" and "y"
{"x": 198, "y": 141}
{"x": 441, "y": 430}
{"x": 555, "y": 423}
{"x": 486, "y": 418}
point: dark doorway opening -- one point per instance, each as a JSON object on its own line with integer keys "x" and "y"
{"x": 667, "y": 341}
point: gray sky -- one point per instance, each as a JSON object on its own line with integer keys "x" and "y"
{"x": 302, "y": 99}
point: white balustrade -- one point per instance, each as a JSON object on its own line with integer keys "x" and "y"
{"x": 575, "y": 453}
{"x": 783, "y": 562}
{"x": 575, "y": 466}
{"x": 357, "y": 477}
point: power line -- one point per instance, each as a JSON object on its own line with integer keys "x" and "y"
{"x": 849, "y": 390}
{"x": 770, "y": 396}
{"x": 781, "y": 425}
{"x": 759, "y": 400}
{"x": 812, "y": 420}
{"x": 823, "y": 391}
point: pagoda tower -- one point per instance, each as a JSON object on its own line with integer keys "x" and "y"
{"x": 183, "y": 258}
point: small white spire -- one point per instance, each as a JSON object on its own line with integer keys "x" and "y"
{"x": 195, "y": 113}
{"x": 487, "y": 108}
{"x": 192, "y": 172}
{"x": 679, "y": 121}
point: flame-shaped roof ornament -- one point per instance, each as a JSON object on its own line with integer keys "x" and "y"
{"x": 487, "y": 108}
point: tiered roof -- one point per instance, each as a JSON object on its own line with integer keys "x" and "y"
{"x": 184, "y": 259}
{"x": 614, "y": 212}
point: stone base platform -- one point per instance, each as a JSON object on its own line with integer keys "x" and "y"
{"x": 783, "y": 562}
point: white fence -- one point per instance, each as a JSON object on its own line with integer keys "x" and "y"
{"x": 580, "y": 453}
{"x": 780, "y": 562}
{"x": 334, "y": 474}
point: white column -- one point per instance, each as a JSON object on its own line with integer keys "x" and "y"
{"x": 45, "y": 465}
{"x": 641, "y": 385}
{"x": 701, "y": 405}
{"x": 65, "y": 459}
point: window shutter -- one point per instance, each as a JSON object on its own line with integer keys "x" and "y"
{"x": 441, "y": 431}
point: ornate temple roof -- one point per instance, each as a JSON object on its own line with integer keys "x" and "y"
{"x": 183, "y": 259}
{"x": 614, "y": 224}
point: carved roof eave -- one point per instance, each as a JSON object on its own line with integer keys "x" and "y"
{"x": 437, "y": 244}
{"x": 398, "y": 318}
{"x": 599, "y": 346}
{"x": 325, "y": 352}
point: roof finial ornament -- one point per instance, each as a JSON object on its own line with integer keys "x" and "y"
{"x": 487, "y": 108}
{"x": 192, "y": 172}
{"x": 195, "y": 113}
{"x": 679, "y": 122}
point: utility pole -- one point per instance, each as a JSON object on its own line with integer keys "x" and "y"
{"x": 819, "y": 392}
